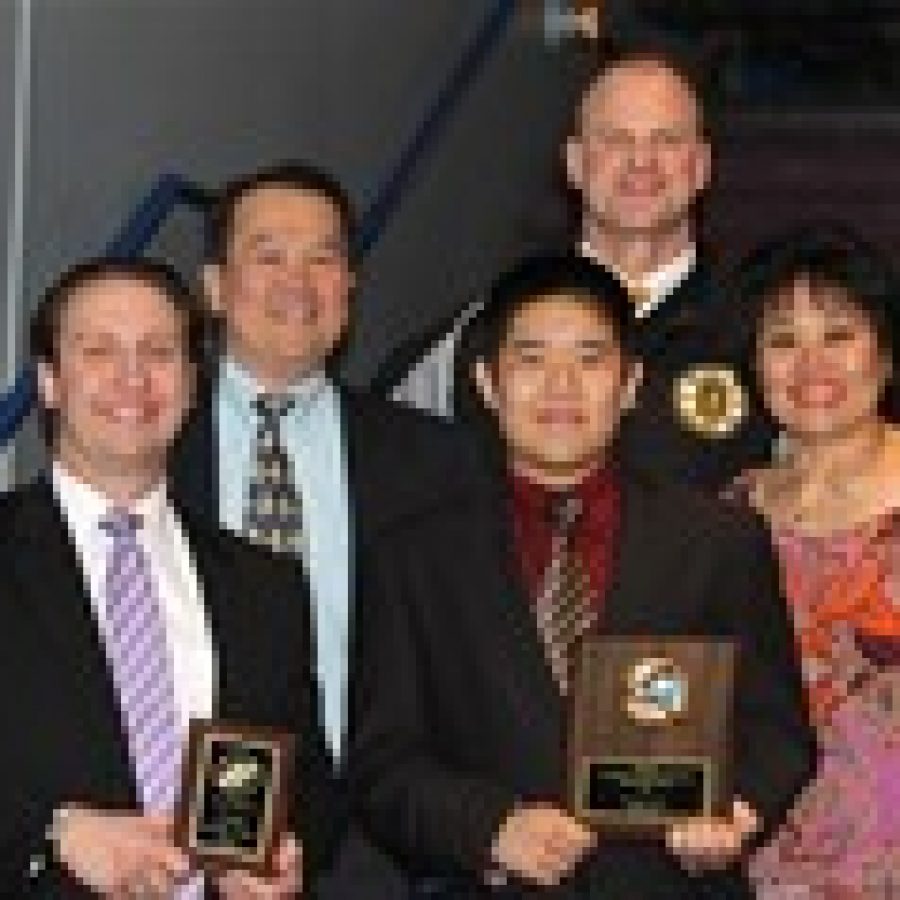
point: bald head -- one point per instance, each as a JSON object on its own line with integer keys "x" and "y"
{"x": 638, "y": 154}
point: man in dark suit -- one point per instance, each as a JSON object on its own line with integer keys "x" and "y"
{"x": 638, "y": 161}
{"x": 127, "y": 619}
{"x": 281, "y": 280}
{"x": 478, "y": 607}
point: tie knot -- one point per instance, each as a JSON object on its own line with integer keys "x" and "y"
{"x": 120, "y": 524}
{"x": 564, "y": 510}
{"x": 271, "y": 408}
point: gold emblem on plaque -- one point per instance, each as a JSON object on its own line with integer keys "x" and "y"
{"x": 656, "y": 691}
{"x": 710, "y": 400}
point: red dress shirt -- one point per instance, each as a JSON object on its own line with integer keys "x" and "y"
{"x": 596, "y": 532}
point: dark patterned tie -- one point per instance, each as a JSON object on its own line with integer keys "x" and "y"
{"x": 274, "y": 509}
{"x": 565, "y": 610}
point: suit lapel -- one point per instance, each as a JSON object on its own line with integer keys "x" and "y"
{"x": 515, "y": 626}
{"x": 369, "y": 460}
{"x": 642, "y": 598}
{"x": 46, "y": 557}
{"x": 631, "y": 579}
{"x": 194, "y": 469}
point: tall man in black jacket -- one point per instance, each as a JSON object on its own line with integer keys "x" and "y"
{"x": 281, "y": 280}
{"x": 459, "y": 752}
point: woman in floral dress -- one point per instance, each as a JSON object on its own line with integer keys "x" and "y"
{"x": 823, "y": 310}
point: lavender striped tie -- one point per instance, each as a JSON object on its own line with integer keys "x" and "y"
{"x": 142, "y": 671}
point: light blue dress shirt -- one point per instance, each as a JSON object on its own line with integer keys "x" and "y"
{"x": 312, "y": 433}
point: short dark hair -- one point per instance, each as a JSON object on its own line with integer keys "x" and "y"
{"x": 690, "y": 67}
{"x": 542, "y": 276}
{"x": 292, "y": 175}
{"x": 531, "y": 279}
{"x": 46, "y": 321}
{"x": 826, "y": 253}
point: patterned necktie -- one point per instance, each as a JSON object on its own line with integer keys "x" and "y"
{"x": 564, "y": 608}
{"x": 139, "y": 655}
{"x": 274, "y": 511}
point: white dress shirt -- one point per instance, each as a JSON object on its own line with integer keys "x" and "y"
{"x": 654, "y": 287}
{"x": 178, "y": 588}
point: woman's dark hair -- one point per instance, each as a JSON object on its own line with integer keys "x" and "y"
{"x": 530, "y": 280}
{"x": 826, "y": 254}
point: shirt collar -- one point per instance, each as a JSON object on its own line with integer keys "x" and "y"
{"x": 596, "y": 491}
{"x": 84, "y": 503}
{"x": 656, "y": 286}
{"x": 242, "y": 388}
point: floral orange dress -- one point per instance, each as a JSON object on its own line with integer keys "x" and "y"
{"x": 842, "y": 839}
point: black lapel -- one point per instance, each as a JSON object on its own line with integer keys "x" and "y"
{"x": 632, "y": 600}
{"x": 356, "y": 433}
{"x": 44, "y": 555}
{"x": 194, "y": 461}
{"x": 371, "y": 473}
{"x": 353, "y": 425}
{"x": 226, "y": 608}
{"x": 506, "y": 598}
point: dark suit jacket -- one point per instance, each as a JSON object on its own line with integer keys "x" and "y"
{"x": 63, "y": 736}
{"x": 697, "y": 325}
{"x": 458, "y": 714}
{"x": 399, "y": 461}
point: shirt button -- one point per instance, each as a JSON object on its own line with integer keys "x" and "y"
{"x": 36, "y": 866}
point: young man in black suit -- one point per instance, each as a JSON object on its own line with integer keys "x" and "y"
{"x": 125, "y": 619}
{"x": 459, "y": 754}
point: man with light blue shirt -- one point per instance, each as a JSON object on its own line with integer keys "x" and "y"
{"x": 279, "y": 450}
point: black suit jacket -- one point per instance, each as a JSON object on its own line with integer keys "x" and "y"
{"x": 399, "y": 461}
{"x": 458, "y": 714}
{"x": 63, "y": 738}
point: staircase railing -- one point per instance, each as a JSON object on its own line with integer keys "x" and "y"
{"x": 172, "y": 191}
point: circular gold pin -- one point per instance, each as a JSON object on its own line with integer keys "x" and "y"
{"x": 710, "y": 400}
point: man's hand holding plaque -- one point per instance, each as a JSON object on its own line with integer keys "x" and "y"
{"x": 713, "y": 842}
{"x": 118, "y": 854}
{"x": 540, "y": 843}
{"x": 285, "y": 880}
{"x": 232, "y": 816}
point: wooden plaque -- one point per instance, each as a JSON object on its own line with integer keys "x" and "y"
{"x": 649, "y": 739}
{"x": 233, "y": 808}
